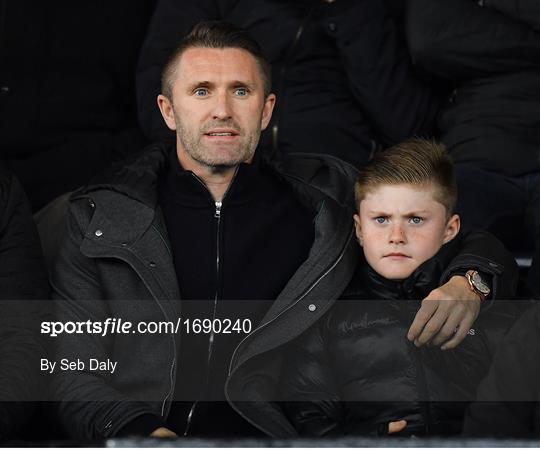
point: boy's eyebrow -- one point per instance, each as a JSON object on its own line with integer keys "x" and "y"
{"x": 409, "y": 213}
{"x": 416, "y": 212}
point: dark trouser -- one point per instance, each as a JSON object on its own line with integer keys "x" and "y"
{"x": 509, "y": 207}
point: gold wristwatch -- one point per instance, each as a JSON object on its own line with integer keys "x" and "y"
{"x": 477, "y": 284}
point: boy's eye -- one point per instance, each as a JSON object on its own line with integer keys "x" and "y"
{"x": 201, "y": 92}
{"x": 381, "y": 219}
{"x": 241, "y": 92}
{"x": 416, "y": 220}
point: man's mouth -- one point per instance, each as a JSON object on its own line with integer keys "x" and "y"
{"x": 222, "y": 133}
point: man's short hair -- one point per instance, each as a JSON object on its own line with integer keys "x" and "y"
{"x": 419, "y": 162}
{"x": 219, "y": 35}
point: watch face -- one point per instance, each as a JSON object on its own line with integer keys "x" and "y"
{"x": 479, "y": 284}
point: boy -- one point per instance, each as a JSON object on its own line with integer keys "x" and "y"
{"x": 355, "y": 372}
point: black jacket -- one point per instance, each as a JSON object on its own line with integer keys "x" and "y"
{"x": 508, "y": 401}
{"x": 355, "y": 371}
{"x": 491, "y": 60}
{"x": 24, "y": 291}
{"x": 115, "y": 261}
{"x": 341, "y": 72}
{"x": 67, "y": 90}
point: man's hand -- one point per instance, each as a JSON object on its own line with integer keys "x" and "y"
{"x": 396, "y": 427}
{"x": 163, "y": 433}
{"x": 446, "y": 315}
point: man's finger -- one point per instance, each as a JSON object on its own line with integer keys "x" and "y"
{"x": 396, "y": 427}
{"x": 461, "y": 333}
{"x": 449, "y": 328}
{"x": 426, "y": 311}
{"x": 431, "y": 328}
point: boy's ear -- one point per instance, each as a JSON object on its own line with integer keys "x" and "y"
{"x": 452, "y": 228}
{"x": 358, "y": 229}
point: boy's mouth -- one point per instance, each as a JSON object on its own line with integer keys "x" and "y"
{"x": 396, "y": 255}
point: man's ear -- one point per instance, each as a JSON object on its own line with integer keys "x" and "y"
{"x": 358, "y": 229}
{"x": 452, "y": 228}
{"x": 167, "y": 111}
{"x": 268, "y": 107}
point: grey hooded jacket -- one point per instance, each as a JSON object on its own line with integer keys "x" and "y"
{"x": 115, "y": 261}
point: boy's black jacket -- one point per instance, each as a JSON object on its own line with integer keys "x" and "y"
{"x": 355, "y": 371}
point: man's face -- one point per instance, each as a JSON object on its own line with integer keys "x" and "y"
{"x": 218, "y": 108}
{"x": 400, "y": 227}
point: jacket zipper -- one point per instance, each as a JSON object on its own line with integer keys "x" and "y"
{"x": 422, "y": 387}
{"x": 217, "y": 215}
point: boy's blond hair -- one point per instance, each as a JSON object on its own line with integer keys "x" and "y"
{"x": 418, "y": 162}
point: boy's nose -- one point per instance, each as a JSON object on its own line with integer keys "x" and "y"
{"x": 397, "y": 235}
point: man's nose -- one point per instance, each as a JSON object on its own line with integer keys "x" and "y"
{"x": 397, "y": 234}
{"x": 222, "y": 107}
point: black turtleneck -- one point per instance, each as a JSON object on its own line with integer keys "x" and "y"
{"x": 228, "y": 267}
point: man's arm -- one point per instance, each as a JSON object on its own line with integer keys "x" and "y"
{"x": 88, "y": 407}
{"x": 448, "y": 312}
{"x": 172, "y": 19}
{"x": 459, "y": 40}
{"x": 374, "y": 54}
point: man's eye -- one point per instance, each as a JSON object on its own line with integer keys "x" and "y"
{"x": 381, "y": 219}
{"x": 201, "y": 92}
{"x": 416, "y": 220}
{"x": 241, "y": 92}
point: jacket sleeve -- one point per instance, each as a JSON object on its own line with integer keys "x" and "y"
{"x": 88, "y": 407}
{"x": 379, "y": 71}
{"x": 526, "y": 11}
{"x": 310, "y": 398}
{"x": 172, "y": 19}
{"x": 24, "y": 291}
{"x": 459, "y": 40}
{"x": 481, "y": 251}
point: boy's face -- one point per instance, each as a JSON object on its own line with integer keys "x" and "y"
{"x": 401, "y": 226}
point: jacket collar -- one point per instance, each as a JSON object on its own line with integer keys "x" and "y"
{"x": 417, "y": 286}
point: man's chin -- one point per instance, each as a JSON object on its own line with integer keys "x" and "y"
{"x": 223, "y": 168}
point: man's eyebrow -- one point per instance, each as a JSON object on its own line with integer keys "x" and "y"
{"x": 249, "y": 85}
{"x": 199, "y": 84}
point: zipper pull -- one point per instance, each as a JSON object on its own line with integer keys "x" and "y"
{"x": 217, "y": 213}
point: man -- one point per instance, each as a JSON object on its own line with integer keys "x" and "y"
{"x": 217, "y": 227}
{"x": 341, "y": 72}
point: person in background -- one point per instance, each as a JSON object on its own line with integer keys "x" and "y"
{"x": 487, "y": 52}
{"x": 67, "y": 90}
{"x": 24, "y": 290}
